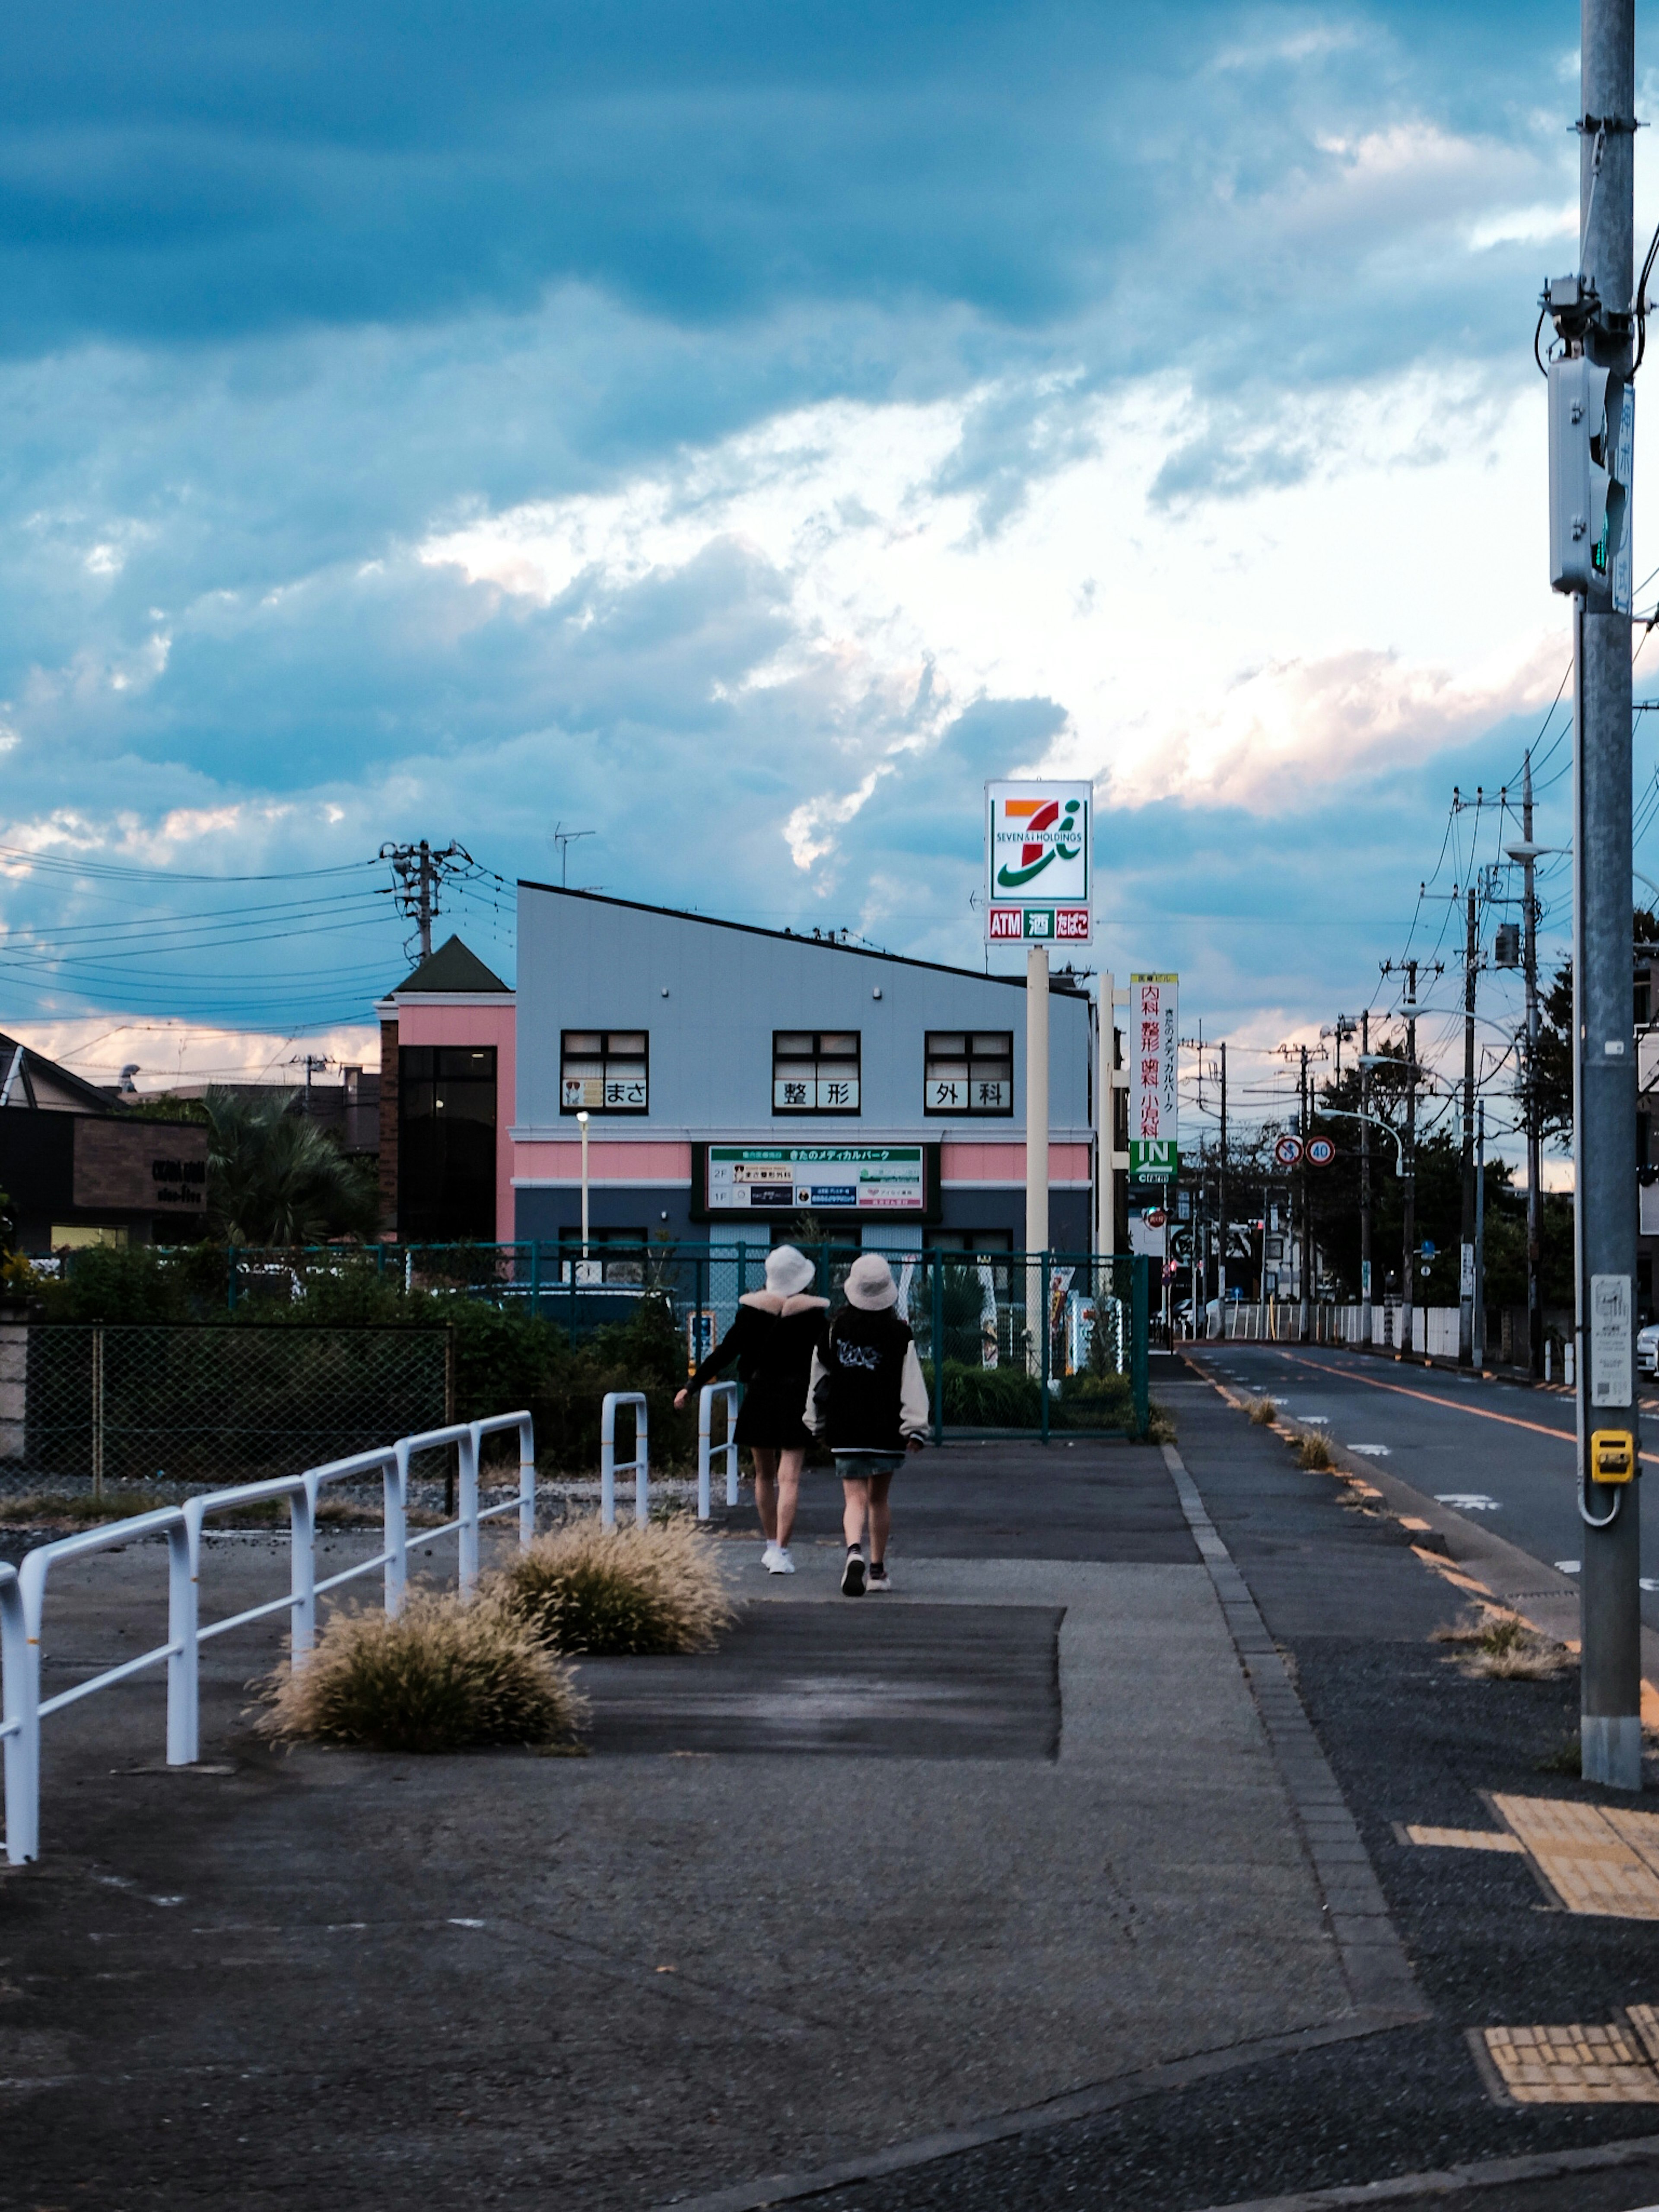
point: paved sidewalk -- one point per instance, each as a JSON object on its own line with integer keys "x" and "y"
{"x": 876, "y": 1872}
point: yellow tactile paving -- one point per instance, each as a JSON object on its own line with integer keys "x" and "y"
{"x": 1573, "y": 2065}
{"x": 1588, "y": 1865}
{"x": 1640, "y": 1830}
{"x": 1644, "y": 2019}
{"x": 1465, "y": 1839}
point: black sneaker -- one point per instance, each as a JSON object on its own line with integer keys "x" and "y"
{"x": 878, "y": 1578}
{"x": 852, "y": 1576}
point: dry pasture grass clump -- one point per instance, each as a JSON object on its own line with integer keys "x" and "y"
{"x": 1314, "y": 1452}
{"x": 628, "y": 1591}
{"x": 1261, "y": 1410}
{"x": 1498, "y": 1648}
{"x": 445, "y": 1675}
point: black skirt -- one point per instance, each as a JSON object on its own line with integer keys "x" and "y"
{"x": 771, "y": 1416}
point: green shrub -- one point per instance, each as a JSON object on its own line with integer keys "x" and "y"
{"x": 445, "y": 1675}
{"x": 585, "y": 1588}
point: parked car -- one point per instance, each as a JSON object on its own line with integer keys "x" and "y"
{"x": 1647, "y": 1349}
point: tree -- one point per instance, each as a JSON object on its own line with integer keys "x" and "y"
{"x": 276, "y": 1178}
{"x": 1555, "y": 1037}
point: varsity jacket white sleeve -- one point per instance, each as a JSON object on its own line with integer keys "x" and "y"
{"x": 913, "y": 1396}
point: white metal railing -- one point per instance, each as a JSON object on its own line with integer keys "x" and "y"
{"x": 706, "y": 1446}
{"x": 638, "y": 1467}
{"x": 23, "y": 1591}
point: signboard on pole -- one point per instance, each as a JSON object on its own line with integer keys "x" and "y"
{"x": 1154, "y": 1044}
{"x": 1038, "y": 872}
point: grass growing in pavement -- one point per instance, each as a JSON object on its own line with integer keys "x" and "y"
{"x": 443, "y": 1676}
{"x": 1502, "y": 1649}
{"x": 1261, "y": 1410}
{"x": 627, "y": 1590}
{"x": 1314, "y": 1452}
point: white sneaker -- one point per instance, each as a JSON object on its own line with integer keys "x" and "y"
{"x": 768, "y": 1555}
{"x": 778, "y": 1561}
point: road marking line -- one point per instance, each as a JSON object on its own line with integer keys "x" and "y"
{"x": 1434, "y": 1398}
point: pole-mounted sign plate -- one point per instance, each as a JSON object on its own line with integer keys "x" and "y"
{"x": 1152, "y": 1042}
{"x": 1287, "y": 1151}
{"x": 1038, "y": 863}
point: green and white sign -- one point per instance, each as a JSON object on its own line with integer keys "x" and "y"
{"x": 816, "y": 1178}
{"x": 1154, "y": 1159}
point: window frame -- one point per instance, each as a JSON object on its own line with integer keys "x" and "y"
{"x": 817, "y": 1059}
{"x": 604, "y": 1055}
{"x": 967, "y": 1057}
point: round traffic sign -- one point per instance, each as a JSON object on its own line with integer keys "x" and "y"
{"x": 1288, "y": 1151}
{"x": 1320, "y": 1152}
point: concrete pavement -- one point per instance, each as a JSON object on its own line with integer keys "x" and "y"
{"x": 875, "y": 1874}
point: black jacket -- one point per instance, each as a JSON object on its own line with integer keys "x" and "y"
{"x": 868, "y": 1394}
{"x": 772, "y": 1341}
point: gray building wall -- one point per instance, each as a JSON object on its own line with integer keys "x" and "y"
{"x": 710, "y": 995}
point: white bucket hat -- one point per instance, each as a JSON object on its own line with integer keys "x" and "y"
{"x": 870, "y": 1283}
{"x": 788, "y": 1271}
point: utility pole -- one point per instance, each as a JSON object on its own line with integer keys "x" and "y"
{"x": 1591, "y": 422}
{"x": 1526, "y": 853}
{"x": 1466, "y": 1273}
{"x": 1221, "y": 1197}
{"x": 1365, "y": 1171}
{"x": 1478, "y": 1317}
{"x": 1409, "y": 1268}
{"x": 1307, "y": 1229}
{"x": 418, "y": 873}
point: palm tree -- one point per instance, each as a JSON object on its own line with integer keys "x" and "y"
{"x": 276, "y": 1178}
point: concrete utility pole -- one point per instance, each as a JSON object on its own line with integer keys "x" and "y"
{"x": 1307, "y": 1226}
{"x": 1466, "y": 1271}
{"x": 1409, "y": 1272}
{"x": 1036, "y": 1145}
{"x": 418, "y": 872}
{"x": 1365, "y": 1171}
{"x": 1534, "y": 1148}
{"x": 1604, "y": 1117}
{"x": 1221, "y": 1196}
{"x": 1479, "y": 1313}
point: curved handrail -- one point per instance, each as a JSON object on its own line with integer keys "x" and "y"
{"x": 706, "y": 1447}
{"x": 638, "y": 1465}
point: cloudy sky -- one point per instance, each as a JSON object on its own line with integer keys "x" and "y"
{"x": 738, "y": 431}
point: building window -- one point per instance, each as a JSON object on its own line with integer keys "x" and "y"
{"x": 815, "y": 1071}
{"x": 969, "y": 1071}
{"x": 623, "y": 1262}
{"x": 605, "y": 1072}
{"x": 446, "y": 1144}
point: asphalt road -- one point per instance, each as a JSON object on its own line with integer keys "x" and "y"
{"x": 1487, "y": 1449}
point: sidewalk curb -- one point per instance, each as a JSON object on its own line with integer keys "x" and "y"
{"x": 1455, "y": 2180}
{"x": 1057, "y": 2112}
{"x": 1374, "y": 1961}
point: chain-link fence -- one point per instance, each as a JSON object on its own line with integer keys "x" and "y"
{"x": 1014, "y": 1343}
{"x": 187, "y": 1404}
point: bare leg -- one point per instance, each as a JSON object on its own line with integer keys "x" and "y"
{"x": 855, "y": 1489}
{"x": 766, "y": 1491}
{"x": 789, "y": 1466}
{"x": 881, "y": 1516}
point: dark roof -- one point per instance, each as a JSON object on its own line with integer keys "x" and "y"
{"x": 453, "y": 967}
{"x": 1060, "y": 983}
{"x": 34, "y": 1067}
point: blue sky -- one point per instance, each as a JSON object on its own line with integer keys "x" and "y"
{"x": 739, "y": 431}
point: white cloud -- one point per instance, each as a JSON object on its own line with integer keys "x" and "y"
{"x": 1373, "y": 592}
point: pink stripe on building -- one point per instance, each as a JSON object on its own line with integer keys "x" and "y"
{"x": 652, "y": 1160}
{"x": 1004, "y": 1165}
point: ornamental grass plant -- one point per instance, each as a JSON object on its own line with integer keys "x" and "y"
{"x": 587, "y": 1589}
{"x": 445, "y": 1675}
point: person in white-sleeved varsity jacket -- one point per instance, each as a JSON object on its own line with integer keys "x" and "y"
{"x": 868, "y": 1401}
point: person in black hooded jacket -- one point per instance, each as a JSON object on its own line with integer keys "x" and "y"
{"x": 868, "y": 1400}
{"x": 773, "y": 1339}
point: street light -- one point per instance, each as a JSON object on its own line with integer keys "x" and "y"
{"x": 582, "y": 1123}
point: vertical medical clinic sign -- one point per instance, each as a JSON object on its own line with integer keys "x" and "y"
{"x": 1154, "y": 1073}
{"x": 1038, "y": 862}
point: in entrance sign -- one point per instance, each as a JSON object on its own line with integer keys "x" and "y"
{"x": 1155, "y": 1160}
{"x": 1037, "y": 862}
